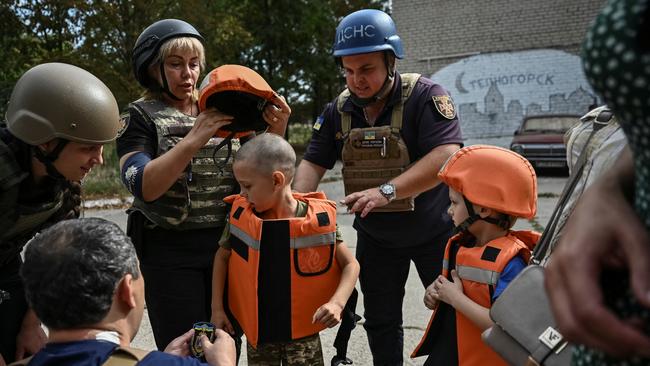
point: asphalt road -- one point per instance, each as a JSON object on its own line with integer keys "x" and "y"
{"x": 416, "y": 315}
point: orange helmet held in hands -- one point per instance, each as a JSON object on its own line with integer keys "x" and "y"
{"x": 240, "y": 92}
{"x": 492, "y": 177}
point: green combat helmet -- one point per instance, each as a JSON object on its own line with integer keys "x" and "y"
{"x": 56, "y": 100}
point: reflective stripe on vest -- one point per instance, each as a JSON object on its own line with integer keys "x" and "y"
{"x": 375, "y": 155}
{"x": 479, "y": 269}
{"x": 294, "y": 243}
{"x": 479, "y": 275}
{"x": 195, "y": 200}
{"x": 281, "y": 271}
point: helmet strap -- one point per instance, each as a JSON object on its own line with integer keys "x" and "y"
{"x": 49, "y": 159}
{"x": 165, "y": 86}
{"x": 503, "y": 223}
{"x": 225, "y": 142}
{"x": 473, "y": 217}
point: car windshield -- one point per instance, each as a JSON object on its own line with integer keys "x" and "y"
{"x": 550, "y": 123}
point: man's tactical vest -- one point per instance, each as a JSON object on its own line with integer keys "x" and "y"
{"x": 195, "y": 200}
{"x": 374, "y": 155}
{"x": 479, "y": 268}
{"x": 281, "y": 271}
{"x": 18, "y": 221}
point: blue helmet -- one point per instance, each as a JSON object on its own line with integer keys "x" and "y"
{"x": 366, "y": 31}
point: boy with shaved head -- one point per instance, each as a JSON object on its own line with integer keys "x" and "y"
{"x": 289, "y": 273}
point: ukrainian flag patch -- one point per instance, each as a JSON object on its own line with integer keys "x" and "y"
{"x": 318, "y": 123}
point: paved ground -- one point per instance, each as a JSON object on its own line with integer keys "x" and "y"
{"x": 416, "y": 315}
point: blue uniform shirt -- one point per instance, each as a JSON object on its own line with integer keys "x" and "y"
{"x": 423, "y": 128}
{"x": 96, "y": 352}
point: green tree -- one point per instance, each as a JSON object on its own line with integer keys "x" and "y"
{"x": 34, "y": 32}
{"x": 287, "y": 41}
{"x": 291, "y": 48}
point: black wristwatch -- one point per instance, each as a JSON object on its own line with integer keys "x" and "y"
{"x": 387, "y": 190}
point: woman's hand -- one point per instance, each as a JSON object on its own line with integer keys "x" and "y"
{"x": 276, "y": 114}
{"x": 206, "y": 125}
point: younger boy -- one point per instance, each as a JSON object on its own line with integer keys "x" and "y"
{"x": 289, "y": 274}
{"x": 489, "y": 188}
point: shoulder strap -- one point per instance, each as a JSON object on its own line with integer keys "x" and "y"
{"x": 137, "y": 106}
{"x": 126, "y": 356}
{"x": 541, "y": 247}
{"x": 408, "y": 84}
{"x": 346, "y": 118}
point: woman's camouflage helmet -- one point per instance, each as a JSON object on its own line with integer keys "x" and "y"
{"x": 56, "y": 100}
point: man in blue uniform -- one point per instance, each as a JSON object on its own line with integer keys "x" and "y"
{"x": 83, "y": 281}
{"x": 393, "y": 133}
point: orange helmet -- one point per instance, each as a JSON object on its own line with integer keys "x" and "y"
{"x": 237, "y": 91}
{"x": 493, "y": 177}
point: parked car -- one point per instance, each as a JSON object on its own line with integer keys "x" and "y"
{"x": 540, "y": 139}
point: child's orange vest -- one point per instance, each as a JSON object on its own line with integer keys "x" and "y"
{"x": 281, "y": 271}
{"x": 479, "y": 269}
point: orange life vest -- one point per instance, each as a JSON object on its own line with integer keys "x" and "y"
{"x": 281, "y": 271}
{"x": 479, "y": 269}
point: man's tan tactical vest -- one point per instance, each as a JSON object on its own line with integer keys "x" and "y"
{"x": 374, "y": 155}
{"x": 18, "y": 222}
{"x": 195, "y": 200}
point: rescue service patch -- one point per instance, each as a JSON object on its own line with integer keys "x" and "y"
{"x": 124, "y": 123}
{"x": 445, "y": 106}
{"x": 318, "y": 123}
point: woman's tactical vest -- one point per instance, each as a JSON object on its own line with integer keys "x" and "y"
{"x": 479, "y": 268}
{"x": 18, "y": 221}
{"x": 281, "y": 271}
{"x": 195, "y": 200}
{"x": 374, "y": 155}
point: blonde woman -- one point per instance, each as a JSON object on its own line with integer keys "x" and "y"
{"x": 166, "y": 160}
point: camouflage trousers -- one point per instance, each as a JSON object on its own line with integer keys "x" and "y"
{"x": 303, "y": 351}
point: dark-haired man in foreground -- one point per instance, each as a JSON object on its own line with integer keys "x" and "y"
{"x": 83, "y": 281}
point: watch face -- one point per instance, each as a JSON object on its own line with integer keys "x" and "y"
{"x": 387, "y": 189}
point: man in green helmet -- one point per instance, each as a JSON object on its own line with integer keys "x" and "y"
{"x": 58, "y": 118}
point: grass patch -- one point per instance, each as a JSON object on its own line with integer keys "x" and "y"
{"x": 299, "y": 134}
{"x": 104, "y": 180}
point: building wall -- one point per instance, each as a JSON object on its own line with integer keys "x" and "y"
{"x": 501, "y": 60}
{"x": 439, "y": 32}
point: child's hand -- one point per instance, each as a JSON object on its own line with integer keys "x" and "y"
{"x": 220, "y": 320}
{"x": 328, "y": 314}
{"x": 431, "y": 297}
{"x": 448, "y": 291}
